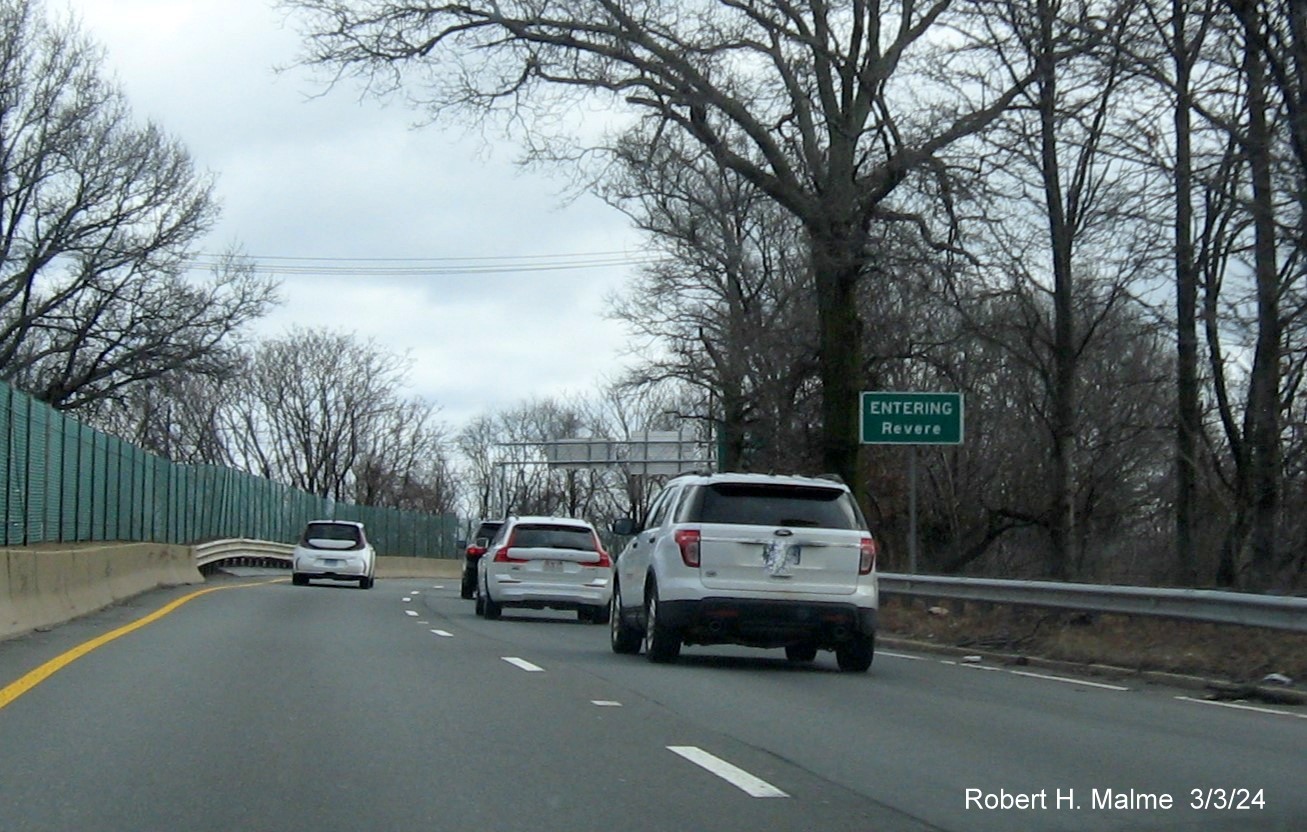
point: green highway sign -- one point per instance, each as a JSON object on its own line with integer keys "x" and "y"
{"x": 911, "y": 418}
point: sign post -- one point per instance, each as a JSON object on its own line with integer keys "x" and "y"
{"x": 912, "y": 419}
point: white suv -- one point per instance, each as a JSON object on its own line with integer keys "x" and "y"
{"x": 752, "y": 559}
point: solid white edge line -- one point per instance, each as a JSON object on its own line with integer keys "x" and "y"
{"x": 736, "y": 776}
{"x": 901, "y": 656}
{"x": 523, "y": 664}
{"x": 1239, "y": 707}
{"x": 1067, "y": 679}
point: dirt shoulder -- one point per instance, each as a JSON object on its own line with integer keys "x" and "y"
{"x": 1227, "y": 661}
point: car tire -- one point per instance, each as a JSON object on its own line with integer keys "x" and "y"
{"x": 801, "y": 653}
{"x": 298, "y": 579}
{"x": 366, "y": 582}
{"x": 469, "y": 587}
{"x": 625, "y": 639}
{"x": 480, "y": 606}
{"x": 855, "y": 655}
{"x": 661, "y": 643}
{"x": 490, "y": 608}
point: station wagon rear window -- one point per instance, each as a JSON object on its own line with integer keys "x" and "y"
{"x": 535, "y": 536}
{"x": 747, "y": 504}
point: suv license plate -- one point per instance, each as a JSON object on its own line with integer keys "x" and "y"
{"x": 553, "y": 566}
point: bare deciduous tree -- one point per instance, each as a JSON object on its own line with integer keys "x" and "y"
{"x": 97, "y": 214}
{"x": 826, "y": 108}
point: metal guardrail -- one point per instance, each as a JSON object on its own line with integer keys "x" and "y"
{"x": 1271, "y": 611}
{"x": 216, "y": 551}
{"x": 1275, "y": 612}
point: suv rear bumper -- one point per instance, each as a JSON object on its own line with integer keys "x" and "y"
{"x": 764, "y": 623}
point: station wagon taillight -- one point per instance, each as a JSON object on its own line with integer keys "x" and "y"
{"x": 687, "y": 540}
{"x": 605, "y": 562}
{"x": 502, "y": 556}
{"x": 866, "y": 556}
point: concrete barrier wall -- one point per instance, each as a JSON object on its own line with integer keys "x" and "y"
{"x": 41, "y": 586}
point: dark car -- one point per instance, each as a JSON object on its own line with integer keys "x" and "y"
{"x": 480, "y": 541}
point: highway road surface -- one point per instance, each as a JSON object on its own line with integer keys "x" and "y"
{"x": 257, "y": 706}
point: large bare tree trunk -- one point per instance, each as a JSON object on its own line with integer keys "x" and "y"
{"x": 1262, "y": 417}
{"x": 1188, "y": 412}
{"x": 1063, "y": 405}
{"x": 837, "y": 258}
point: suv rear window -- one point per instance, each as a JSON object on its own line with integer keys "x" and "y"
{"x": 539, "y": 536}
{"x": 748, "y": 504}
{"x": 342, "y": 532}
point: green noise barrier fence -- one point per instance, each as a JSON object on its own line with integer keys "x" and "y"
{"x": 62, "y": 481}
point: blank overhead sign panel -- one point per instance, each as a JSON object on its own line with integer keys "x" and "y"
{"x": 649, "y": 453}
{"x": 893, "y": 418}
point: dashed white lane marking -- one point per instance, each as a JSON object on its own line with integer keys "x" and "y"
{"x": 416, "y": 592}
{"x": 606, "y": 703}
{"x": 411, "y": 612}
{"x": 1240, "y": 707}
{"x": 406, "y": 599}
{"x": 736, "y": 776}
{"x": 901, "y": 656}
{"x": 523, "y": 664}
{"x": 1067, "y": 679}
{"x": 438, "y": 586}
{"x": 443, "y": 633}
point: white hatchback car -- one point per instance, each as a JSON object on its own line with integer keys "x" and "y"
{"x": 545, "y": 562}
{"x": 750, "y": 559}
{"x": 335, "y": 549}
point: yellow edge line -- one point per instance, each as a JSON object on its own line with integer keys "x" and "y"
{"x": 35, "y": 677}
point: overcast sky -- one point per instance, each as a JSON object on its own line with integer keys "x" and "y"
{"x": 346, "y": 181}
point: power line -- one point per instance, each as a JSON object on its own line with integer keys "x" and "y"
{"x": 431, "y": 266}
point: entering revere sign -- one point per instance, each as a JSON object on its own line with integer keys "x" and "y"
{"x": 911, "y": 418}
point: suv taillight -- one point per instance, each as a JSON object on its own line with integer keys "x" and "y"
{"x": 476, "y": 551}
{"x": 866, "y": 556}
{"x": 688, "y": 542}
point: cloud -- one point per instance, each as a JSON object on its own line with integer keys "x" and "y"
{"x": 306, "y": 174}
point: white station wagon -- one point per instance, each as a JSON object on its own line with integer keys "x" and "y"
{"x": 545, "y": 563}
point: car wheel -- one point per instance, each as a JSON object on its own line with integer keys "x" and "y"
{"x": 480, "y": 606}
{"x": 366, "y": 582}
{"x": 299, "y": 580}
{"x": 490, "y": 608}
{"x": 469, "y": 587}
{"x": 800, "y": 653}
{"x": 625, "y": 638}
{"x": 661, "y": 643}
{"x": 854, "y": 655}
